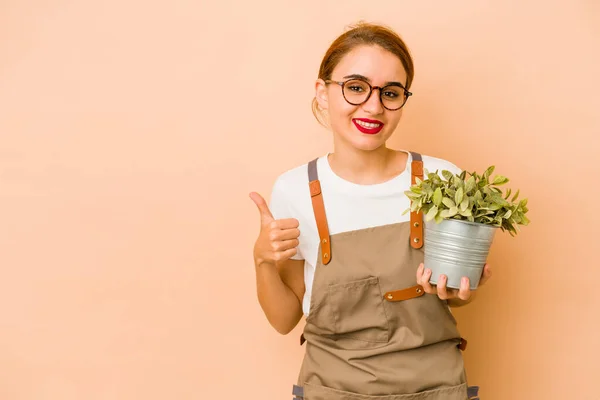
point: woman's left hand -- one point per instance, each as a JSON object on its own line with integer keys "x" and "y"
{"x": 444, "y": 293}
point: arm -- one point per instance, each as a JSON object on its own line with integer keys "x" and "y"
{"x": 279, "y": 278}
{"x": 280, "y": 290}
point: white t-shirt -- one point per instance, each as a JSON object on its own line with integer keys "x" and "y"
{"x": 348, "y": 206}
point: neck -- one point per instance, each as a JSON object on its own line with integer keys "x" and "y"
{"x": 366, "y": 167}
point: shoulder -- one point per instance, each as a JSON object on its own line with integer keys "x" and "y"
{"x": 433, "y": 164}
{"x": 291, "y": 185}
{"x": 292, "y": 179}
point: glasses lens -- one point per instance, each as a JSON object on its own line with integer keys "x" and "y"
{"x": 356, "y": 91}
{"x": 393, "y": 97}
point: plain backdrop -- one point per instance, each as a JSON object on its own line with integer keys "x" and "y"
{"x": 131, "y": 133}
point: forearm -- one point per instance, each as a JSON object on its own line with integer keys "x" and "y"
{"x": 279, "y": 303}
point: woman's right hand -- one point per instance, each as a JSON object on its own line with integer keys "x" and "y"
{"x": 278, "y": 239}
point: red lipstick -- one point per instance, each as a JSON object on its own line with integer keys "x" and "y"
{"x": 372, "y": 126}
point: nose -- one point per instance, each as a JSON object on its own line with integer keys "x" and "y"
{"x": 373, "y": 104}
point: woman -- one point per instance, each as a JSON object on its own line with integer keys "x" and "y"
{"x": 335, "y": 247}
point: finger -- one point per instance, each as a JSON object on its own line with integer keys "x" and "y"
{"x": 420, "y": 271}
{"x": 464, "y": 292}
{"x": 288, "y": 223}
{"x": 485, "y": 275}
{"x": 280, "y": 256}
{"x": 263, "y": 208}
{"x": 441, "y": 287}
{"x": 285, "y": 244}
{"x": 425, "y": 282}
{"x": 286, "y": 234}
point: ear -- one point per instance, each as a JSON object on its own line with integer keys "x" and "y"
{"x": 321, "y": 94}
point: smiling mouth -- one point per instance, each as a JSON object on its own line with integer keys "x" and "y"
{"x": 368, "y": 126}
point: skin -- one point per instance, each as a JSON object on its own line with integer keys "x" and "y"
{"x": 359, "y": 158}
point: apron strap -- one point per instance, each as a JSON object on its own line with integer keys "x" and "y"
{"x": 405, "y": 294}
{"x": 319, "y": 210}
{"x": 473, "y": 392}
{"x": 298, "y": 392}
{"x": 416, "y": 219}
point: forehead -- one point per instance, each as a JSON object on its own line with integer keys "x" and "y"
{"x": 374, "y": 62}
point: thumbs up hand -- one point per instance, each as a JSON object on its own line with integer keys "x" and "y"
{"x": 278, "y": 239}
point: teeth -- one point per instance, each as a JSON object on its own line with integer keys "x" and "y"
{"x": 368, "y": 125}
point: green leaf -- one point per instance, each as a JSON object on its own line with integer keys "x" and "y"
{"x": 488, "y": 172}
{"x": 470, "y": 184}
{"x": 458, "y": 198}
{"x": 445, "y": 214}
{"x": 495, "y": 206}
{"x": 412, "y": 195}
{"x": 431, "y": 214}
{"x": 418, "y": 181}
{"x": 452, "y": 211}
{"x": 523, "y": 203}
{"x": 414, "y": 206}
{"x": 500, "y": 180}
{"x": 464, "y": 204}
{"x": 448, "y": 202}
{"x": 437, "y": 197}
{"x": 466, "y": 213}
{"x": 447, "y": 175}
{"x": 516, "y": 196}
{"x": 507, "y": 194}
{"x": 429, "y": 191}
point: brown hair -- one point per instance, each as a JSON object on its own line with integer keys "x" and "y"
{"x": 359, "y": 35}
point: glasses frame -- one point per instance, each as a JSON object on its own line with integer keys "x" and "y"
{"x": 407, "y": 94}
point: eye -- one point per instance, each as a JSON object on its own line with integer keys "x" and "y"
{"x": 357, "y": 86}
{"x": 390, "y": 93}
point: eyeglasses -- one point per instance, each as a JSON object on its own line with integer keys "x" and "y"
{"x": 357, "y": 92}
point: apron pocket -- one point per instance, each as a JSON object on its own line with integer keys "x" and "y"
{"x": 358, "y": 310}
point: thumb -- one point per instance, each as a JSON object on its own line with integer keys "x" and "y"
{"x": 263, "y": 208}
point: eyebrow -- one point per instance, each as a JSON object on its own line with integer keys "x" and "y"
{"x": 364, "y": 78}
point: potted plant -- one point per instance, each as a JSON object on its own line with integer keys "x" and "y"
{"x": 462, "y": 213}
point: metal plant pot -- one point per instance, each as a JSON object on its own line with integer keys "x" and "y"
{"x": 457, "y": 248}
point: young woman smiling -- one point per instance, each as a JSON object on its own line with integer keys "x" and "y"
{"x": 334, "y": 246}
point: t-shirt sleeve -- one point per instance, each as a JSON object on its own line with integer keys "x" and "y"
{"x": 280, "y": 208}
{"x": 440, "y": 165}
{"x": 453, "y": 168}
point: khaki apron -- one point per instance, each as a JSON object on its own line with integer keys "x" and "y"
{"x": 372, "y": 333}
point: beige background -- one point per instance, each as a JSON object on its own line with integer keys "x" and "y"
{"x": 131, "y": 133}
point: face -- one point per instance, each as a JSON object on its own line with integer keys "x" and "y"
{"x": 369, "y": 125}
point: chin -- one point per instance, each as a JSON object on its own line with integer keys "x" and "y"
{"x": 367, "y": 143}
